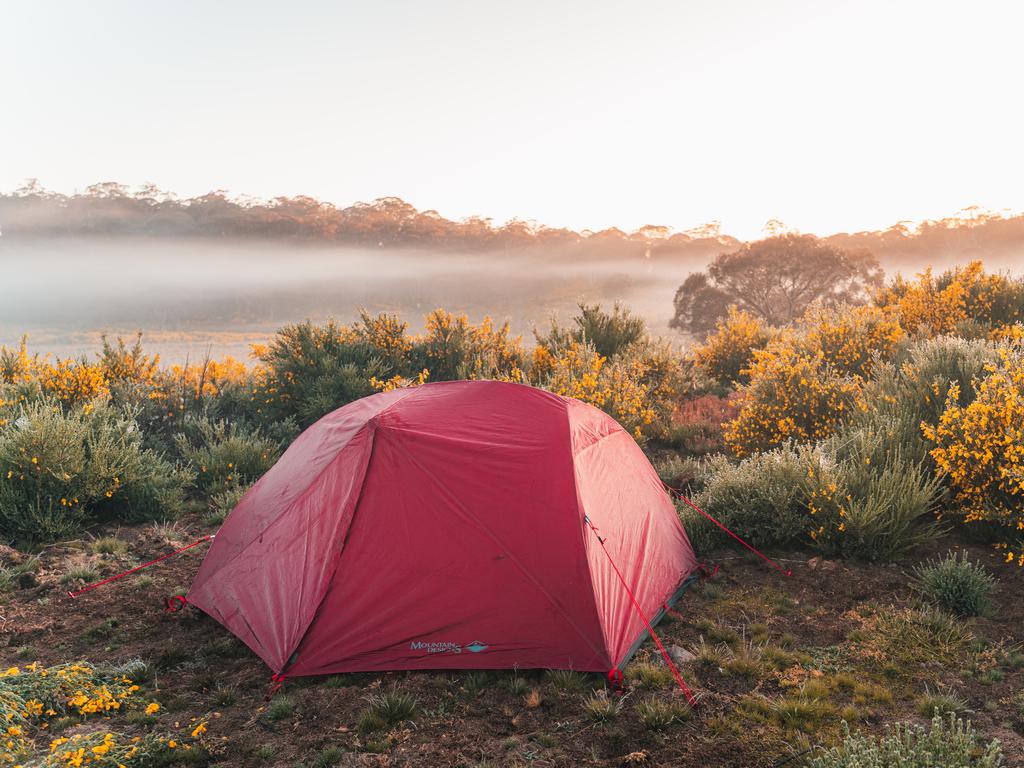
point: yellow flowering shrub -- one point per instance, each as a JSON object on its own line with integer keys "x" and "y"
{"x": 199, "y": 379}
{"x": 726, "y": 353}
{"x": 979, "y": 446}
{"x": 33, "y": 697}
{"x": 809, "y": 379}
{"x": 17, "y": 365}
{"x": 851, "y": 338}
{"x": 31, "y": 691}
{"x": 66, "y": 380}
{"x": 385, "y": 333}
{"x": 793, "y": 394}
{"x": 399, "y": 382}
{"x": 121, "y": 362}
{"x": 456, "y": 349}
{"x": 937, "y": 305}
{"x": 71, "y": 381}
{"x": 639, "y": 389}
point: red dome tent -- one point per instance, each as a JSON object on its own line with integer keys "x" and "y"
{"x": 449, "y": 526}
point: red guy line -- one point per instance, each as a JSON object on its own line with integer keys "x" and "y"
{"x": 139, "y": 567}
{"x": 690, "y": 698}
{"x": 690, "y": 504}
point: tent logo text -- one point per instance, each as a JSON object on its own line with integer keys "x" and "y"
{"x": 446, "y": 646}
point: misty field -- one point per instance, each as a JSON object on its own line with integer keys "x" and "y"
{"x": 875, "y": 445}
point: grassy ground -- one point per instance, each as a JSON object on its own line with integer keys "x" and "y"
{"x": 779, "y": 663}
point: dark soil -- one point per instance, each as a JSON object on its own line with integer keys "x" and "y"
{"x": 471, "y": 719}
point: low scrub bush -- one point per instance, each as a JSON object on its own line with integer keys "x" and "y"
{"x": 640, "y": 385}
{"x": 945, "y": 742}
{"x": 851, "y": 494}
{"x": 809, "y": 380}
{"x": 225, "y": 456}
{"x": 704, "y": 535}
{"x": 676, "y": 471}
{"x": 60, "y": 470}
{"x": 914, "y": 389}
{"x": 759, "y": 498}
{"x": 853, "y": 339}
{"x": 866, "y": 503}
{"x": 223, "y": 502}
{"x": 955, "y": 583}
{"x": 933, "y": 305}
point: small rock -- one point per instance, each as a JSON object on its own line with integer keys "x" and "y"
{"x": 679, "y": 654}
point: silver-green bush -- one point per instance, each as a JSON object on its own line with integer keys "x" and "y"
{"x": 760, "y": 498}
{"x": 946, "y": 743}
{"x": 62, "y": 469}
{"x": 955, "y": 583}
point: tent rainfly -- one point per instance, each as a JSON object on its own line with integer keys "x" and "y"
{"x": 456, "y": 525}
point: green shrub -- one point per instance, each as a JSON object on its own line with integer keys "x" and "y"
{"x": 950, "y": 743}
{"x": 62, "y": 470}
{"x": 913, "y": 389}
{"x": 866, "y": 501}
{"x": 677, "y": 471}
{"x": 601, "y": 707}
{"x": 280, "y": 708}
{"x": 388, "y": 709}
{"x": 704, "y": 535}
{"x": 609, "y": 333}
{"x": 759, "y": 498}
{"x": 649, "y": 675}
{"x": 313, "y": 369}
{"x": 328, "y": 757}
{"x": 956, "y": 584}
{"x": 225, "y": 456}
{"x": 931, "y": 703}
{"x": 223, "y": 502}
{"x": 657, "y": 715}
{"x": 566, "y": 680}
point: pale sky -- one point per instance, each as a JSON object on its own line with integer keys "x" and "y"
{"x": 830, "y": 116}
